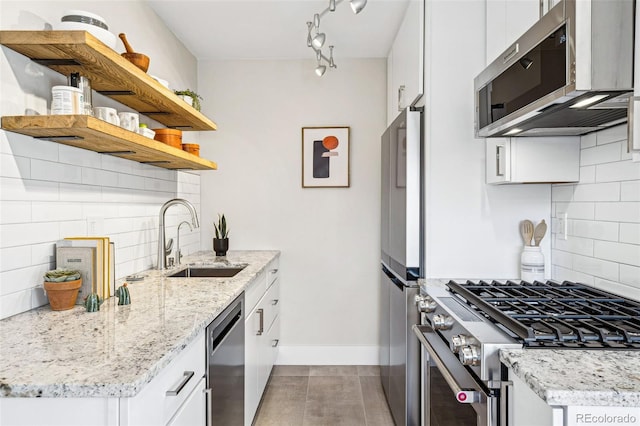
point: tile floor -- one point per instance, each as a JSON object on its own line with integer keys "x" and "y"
{"x": 324, "y": 395}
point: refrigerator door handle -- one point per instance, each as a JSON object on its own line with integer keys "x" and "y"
{"x": 395, "y": 280}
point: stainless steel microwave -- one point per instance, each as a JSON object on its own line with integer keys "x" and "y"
{"x": 571, "y": 73}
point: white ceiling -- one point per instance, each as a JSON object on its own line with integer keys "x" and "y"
{"x": 277, "y": 29}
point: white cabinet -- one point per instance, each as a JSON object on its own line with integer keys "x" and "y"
{"x": 506, "y": 21}
{"x": 166, "y": 394}
{"x": 262, "y": 335}
{"x": 152, "y": 406}
{"x": 634, "y": 110}
{"x": 533, "y": 160}
{"x": 193, "y": 411}
{"x": 405, "y": 63}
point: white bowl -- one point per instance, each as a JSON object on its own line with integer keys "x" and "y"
{"x": 84, "y": 14}
{"x": 100, "y": 33}
{"x": 165, "y": 83}
{"x": 147, "y": 132}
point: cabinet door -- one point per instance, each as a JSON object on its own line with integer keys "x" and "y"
{"x": 506, "y": 21}
{"x": 193, "y": 411}
{"x": 406, "y": 60}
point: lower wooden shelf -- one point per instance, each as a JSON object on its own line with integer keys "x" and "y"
{"x": 87, "y": 132}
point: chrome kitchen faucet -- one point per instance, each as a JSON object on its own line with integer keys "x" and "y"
{"x": 162, "y": 254}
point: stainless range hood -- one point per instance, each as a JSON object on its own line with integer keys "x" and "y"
{"x": 569, "y": 74}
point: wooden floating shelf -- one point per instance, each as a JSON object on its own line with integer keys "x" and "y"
{"x": 87, "y": 132}
{"x": 110, "y": 74}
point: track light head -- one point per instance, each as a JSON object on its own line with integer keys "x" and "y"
{"x": 318, "y": 40}
{"x": 357, "y": 5}
{"x": 320, "y": 70}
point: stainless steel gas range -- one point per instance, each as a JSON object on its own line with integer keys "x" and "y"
{"x": 464, "y": 326}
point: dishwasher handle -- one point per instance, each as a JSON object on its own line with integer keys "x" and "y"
{"x": 224, "y": 327}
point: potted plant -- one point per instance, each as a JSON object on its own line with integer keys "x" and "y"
{"x": 221, "y": 240}
{"x": 190, "y": 97}
{"x": 62, "y": 286}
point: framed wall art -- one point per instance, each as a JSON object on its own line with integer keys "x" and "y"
{"x": 325, "y": 157}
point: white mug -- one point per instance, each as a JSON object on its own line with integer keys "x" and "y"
{"x": 110, "y": 115}
{"x": 129, "y": 121}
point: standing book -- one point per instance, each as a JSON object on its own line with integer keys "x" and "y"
{"x": 84, "y": 260}
{"x": 101, "y": 244}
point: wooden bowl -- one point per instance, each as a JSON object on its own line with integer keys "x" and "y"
{"x": 191, "y": 148}
{"x": 138, "y": 59}
{"x": 172, "y": 137}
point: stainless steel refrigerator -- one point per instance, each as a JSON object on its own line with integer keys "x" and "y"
{"x": 401, "y": 264}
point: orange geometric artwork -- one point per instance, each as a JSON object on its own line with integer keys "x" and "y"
{"x": 330, "y": 142}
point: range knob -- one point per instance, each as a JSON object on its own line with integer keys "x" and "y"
{"x": 458, "y": 341}
{"x": 469, "y": 355}
{"x": 442, "y": 322}
{"x": 425, "y": 303}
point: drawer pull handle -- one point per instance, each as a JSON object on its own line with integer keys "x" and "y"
{"x": 275, "y": 343}
{"x": 261, "y": 329}
{"x": 274, "y": 302}
{"x": 185, "y": 379}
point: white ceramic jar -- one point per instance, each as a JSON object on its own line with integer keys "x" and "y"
{"x": 66, "y": 100}
{"x": 532, "y": 264}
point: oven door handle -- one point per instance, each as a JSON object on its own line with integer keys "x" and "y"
{"x": 463, "y": 396}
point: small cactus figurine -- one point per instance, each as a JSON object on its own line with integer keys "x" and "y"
{"x": 122, "y": 293}
{"x": 92, "y": 302}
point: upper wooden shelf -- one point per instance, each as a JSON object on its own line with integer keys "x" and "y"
{"x": 87, "y": 132}
{"x": 110, "y": 74}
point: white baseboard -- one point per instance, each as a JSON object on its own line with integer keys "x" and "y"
{"x": 327, "y": 355}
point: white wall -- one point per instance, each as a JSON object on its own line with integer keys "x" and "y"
{"x": 329, "y": 237}
{"x": 50, "y": 191}
{"x": 603, "y": 227}
{"x": 472, "y": 229}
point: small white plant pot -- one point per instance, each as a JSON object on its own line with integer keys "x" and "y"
{"x": 187, "y": 99}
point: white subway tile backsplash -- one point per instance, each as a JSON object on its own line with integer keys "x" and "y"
{"x": 79, "y": 157}
{"x": 44, "y": 255}
{"x": 630, "y": 191}
{"x": 21, "y": 234}
{"x": 584, "y": 211}
{"x": 630, "y": 233}
{"x": 612, "y": 134}
{"x": 21, "y": 279}
{"x": 15, "y": 303}
{"x": 597, "y": 192}
{"x": 131, "y": 181}
{"x": 152, "y": 184}
{"x": 15, "y": 212}
{"x": 81, "y": 193}
{"x": 588, "y": 141}
{"x": 562, "y": 258}
{"x": 618, "y": 288}
{"x": 596, "y": 267}
{"x": 15, "y": 167}
{"x": 562, "y": 192}
{"x": 109, "y": 162}
{"x": 101, "y": 210}
{"x": 52, "y": 171}
{"x": 617, "y": 172}
{"x": 26, "y": 146}
{"x": 13, "y": 189}
{"x": 617, "y": 252}
{"x": 588, "y": 174}
{"x": 594, "y": 230}
{"x": 575, "y": 245}
{"x": 15, "y": 258}
{"x": 50, "y": 211}
{"x": 630, "y": 275}
{"x": 73, "y": 228}
{"x": 99, "y": 177}
{"x": 117, "y": 225}
{"x": 601, "y": 154}
{"x": 618, "y": 212}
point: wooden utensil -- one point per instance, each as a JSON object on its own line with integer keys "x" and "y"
{"x": 539, "y": 232}
{"x": 127, "y": 46}
{"x": 526, "y": 230}
{"x": 138, "y": 59}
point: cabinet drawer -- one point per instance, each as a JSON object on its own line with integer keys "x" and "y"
{"x": 254, "y": 293}
{"x": 194, "y": 410}
{"x": 272, "y": 271}
{"x": 144, "y": 408}
{"x": 272, "y": 304}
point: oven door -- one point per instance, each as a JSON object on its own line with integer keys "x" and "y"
{"x": 451, "y": 394}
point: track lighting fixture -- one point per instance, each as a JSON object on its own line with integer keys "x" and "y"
{"x": 317, "y": 40}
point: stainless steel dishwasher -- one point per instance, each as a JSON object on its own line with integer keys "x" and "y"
{"x": 225, "y": 366}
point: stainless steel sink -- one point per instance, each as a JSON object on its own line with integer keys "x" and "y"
{"x": 207, "y": 272}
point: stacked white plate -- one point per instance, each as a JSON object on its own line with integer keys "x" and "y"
{"x": 87, "y": 21}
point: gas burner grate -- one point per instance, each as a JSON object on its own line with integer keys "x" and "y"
{"x": 556, "y": 315}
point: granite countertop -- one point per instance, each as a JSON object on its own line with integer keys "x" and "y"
{"x": 568, "y": 377}
{"x": 114, "y": 352}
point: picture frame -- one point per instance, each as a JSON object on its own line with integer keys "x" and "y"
{"x": 325, "y": 157}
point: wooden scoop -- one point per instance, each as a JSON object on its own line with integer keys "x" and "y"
{"x": 539, "y": 232}
{"x": 126, "y": 43}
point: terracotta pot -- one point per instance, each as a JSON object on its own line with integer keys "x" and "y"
{"x": 62, "y": 296}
